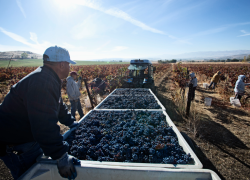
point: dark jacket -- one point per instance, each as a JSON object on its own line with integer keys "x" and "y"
{"x": 31, "y": 110}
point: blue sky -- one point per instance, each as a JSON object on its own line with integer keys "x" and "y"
{"x": 97, "y": 29}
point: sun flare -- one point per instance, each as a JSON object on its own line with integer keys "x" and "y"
{"x": 64, "y": 4}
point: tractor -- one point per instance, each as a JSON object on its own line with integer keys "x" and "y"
{"x": 141, "y": 75}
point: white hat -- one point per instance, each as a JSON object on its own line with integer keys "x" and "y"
{"x": 192, "y": 75}
{"x": 58, "y": 54}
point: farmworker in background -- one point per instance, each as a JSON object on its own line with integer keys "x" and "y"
{"x": 240, "y": 87}
{"x": 193, "y": 82}
{"x": 29, "y": 116}
{"x": 73, "y": 90}
{"x": 215, "y": 80}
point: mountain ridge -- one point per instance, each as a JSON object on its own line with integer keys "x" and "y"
{"x": 8, "y": 54}
{"x": 200, "y": 55}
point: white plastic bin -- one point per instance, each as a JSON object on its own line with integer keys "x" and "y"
{"x": 131, "y": 89}
{"x": 197, "y": 164}
{"x": 152, "y": 94}
{"x": 49, "y": 171}
{"x": 205, "y": 85}
{"x": 235, "y": 102}
{"x": 208, "y": 101}
{"x": 231, "y": 100}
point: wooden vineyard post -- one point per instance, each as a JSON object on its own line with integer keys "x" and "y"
{"x": 190, "y": 91}
{"x": 90, "y": 98}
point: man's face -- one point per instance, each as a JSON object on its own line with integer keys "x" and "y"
{"x": 74, "y": 76}
{"x": 65, "y": 68}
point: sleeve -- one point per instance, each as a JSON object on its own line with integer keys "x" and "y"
{"x": 64, "y": 115}
{"x": 213, "y": 78}
{"x": 71, "y": 90}
{"x": 240, "y": 86}
{"x": 43, "y": 107}
{"x": 79, "y": 83}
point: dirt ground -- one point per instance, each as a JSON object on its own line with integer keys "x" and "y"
{"x": 219, "y": 134}
{"x": 207, "y": 62}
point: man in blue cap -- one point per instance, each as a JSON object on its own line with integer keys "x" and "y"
{"x": 29, "y": 116}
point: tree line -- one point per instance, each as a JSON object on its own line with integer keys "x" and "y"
{"x": 167, "y": 61}
{"x": 24, "y": 56}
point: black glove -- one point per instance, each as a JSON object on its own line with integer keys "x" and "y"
{"x": 80, "y": 78}
{"x": 66, "y": 167}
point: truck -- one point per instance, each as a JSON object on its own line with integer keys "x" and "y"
{"x": 141, "y": 74}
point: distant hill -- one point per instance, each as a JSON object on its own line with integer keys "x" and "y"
{"x": 17, "y": 55}
{"x": 202, "y": 55}
{"x": 238, "y": 54}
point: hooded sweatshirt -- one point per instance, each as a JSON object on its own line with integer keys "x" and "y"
{"x": 216, "y": 77}
{"x": 193, "y": 80}
{"x": 73, "y": 88}
{"x": 240, "y": 85}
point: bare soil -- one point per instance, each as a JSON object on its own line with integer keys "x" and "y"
{"x": 220, "y": 134}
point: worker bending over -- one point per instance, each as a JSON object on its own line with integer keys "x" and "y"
{"x": 240, "y": 87}
{"x": 193, "y": 83}
{"x": 29, "y": 116}
{"x": 73, "y": 90}
{"x": 215, "y": 80}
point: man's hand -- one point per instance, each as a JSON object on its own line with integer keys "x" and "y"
{"x": 80, "y": 78}
{"x": 74, "y": 124}
{"x": 66, "y": 167}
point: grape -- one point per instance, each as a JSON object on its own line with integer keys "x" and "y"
{"x": 127, "y": 136}
{"x": 130, "y": 102}
{"x": 132, "y": 92}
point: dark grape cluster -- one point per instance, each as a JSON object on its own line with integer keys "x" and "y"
{"x": 127, "y": 136}
{"x": 132, "y": 92}
{"x": 130, "y": 102}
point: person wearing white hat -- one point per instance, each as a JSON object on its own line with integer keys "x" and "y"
{"x": 29, "y": 116}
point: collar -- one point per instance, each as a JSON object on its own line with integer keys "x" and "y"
{"x": 52, "y": 72}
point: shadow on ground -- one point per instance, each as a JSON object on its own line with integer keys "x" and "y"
{"x": 207, "y": 164}
{"x": 217, "y": 134}
{"x": 226, "y": 115}
{"x": 171, "y": 108}
{"x": 201, "y": 90}
{"x": 211, "y": 132}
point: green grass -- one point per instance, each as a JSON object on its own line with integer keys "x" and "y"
{"x": 23, "y": 62}
{"x": 39, "y": 62}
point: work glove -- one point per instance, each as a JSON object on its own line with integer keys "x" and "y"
{"x": 66, "y": 167}
{"x": 74, "y": 124}
{"x": 80, "y": 78}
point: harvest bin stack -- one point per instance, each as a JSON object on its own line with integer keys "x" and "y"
{"x": 126, "y": 98}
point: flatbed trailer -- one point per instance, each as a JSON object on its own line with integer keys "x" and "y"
{"x": 46, "y": 168}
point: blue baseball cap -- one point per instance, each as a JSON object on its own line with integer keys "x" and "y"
{"x": 58, "y": 54}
